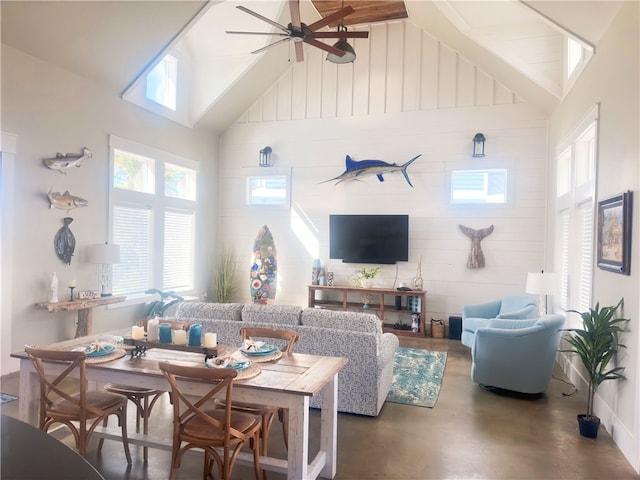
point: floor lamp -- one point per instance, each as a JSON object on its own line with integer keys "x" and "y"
{"x": 543, "y": 284}
{"x": 106, "y": 255}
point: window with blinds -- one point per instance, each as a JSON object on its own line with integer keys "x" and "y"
{"x": 575, "y": 189}
{"x": 479, "y": 186}
{"x": 153, "y": 219}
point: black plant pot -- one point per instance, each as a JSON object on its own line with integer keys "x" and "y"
{"x": 588, "y": 428}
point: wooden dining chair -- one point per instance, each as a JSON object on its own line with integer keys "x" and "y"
{"x": 267, "y": 412}
{"x": 144, "y": 399}
{"x": 87, "y": 407}
{"x": 209, "y": 429}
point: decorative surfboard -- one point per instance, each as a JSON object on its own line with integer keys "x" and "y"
{"x": 264, "y": 269}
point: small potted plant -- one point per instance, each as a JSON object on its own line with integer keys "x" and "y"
{"x": 225, "y": 276}
{"x": 363, "y": 278}
{"x": 596, "y": 343}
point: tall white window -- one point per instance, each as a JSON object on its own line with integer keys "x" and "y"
{"x": 575, "y": 189}
{"x": 152, "y": 218}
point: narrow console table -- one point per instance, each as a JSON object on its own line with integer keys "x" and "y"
{"x": 379, "y": 305}
{"x": 84, "y": 308}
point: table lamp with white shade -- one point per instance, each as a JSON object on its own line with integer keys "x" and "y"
{"x": 543, "y": 283}
{"x": 105, "y": 255}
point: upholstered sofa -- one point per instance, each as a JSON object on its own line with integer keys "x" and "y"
{"x": 478, "y": 315}
{"x": 365, "y": 381}
{"x": 516, "y": 355}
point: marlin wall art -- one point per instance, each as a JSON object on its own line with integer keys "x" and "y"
{"x": 355, "y": 170}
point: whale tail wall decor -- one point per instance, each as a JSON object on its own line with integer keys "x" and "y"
{"x": 476, "y": 257}
{"x": 356, "y": 169}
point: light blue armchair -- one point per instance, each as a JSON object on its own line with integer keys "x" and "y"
{"x": 478, "y": 315}
{"x": 516, "y": 355}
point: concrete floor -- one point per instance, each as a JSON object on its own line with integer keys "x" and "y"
{"x": 470, "y": 434}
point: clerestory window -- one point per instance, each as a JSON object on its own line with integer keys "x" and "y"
{"x": 162, "y": 82}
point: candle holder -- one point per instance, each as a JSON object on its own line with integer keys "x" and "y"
{"x": 71, "y": 295}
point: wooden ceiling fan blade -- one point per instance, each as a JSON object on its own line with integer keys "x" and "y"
{"x": 323, "y": 22}
{"x": 264, "y": 19}
{"x": 340, "y": 34}
{"x": 259, "y": 33}
{"x": 294, "y": 8}
{"x": 272, "y": 45}
{"x": 299, "y": 52}
{"x": 325, "y": 47}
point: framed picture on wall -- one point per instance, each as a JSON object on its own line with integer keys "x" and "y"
{"x": 614, "y": 233}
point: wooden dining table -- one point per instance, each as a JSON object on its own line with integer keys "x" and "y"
{"x": 287, "y": 382}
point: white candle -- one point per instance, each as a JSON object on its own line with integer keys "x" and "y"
{"x": 72, "y": 284}
{"x": 180, "y": 337}
{"x": 210, "y": 340}
{"x": 153, "y": 330}
{"x": 137, "y": 333}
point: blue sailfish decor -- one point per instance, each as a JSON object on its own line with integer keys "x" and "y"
{"x": 355, "y": 170}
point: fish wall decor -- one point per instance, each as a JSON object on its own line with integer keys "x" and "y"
{"x": 63, "y": 162}
{"x": 65, "y": 201}
{"x": 358, "y": 169}
{"x": 476, "y": 257}
{"x": 64, "y": 242}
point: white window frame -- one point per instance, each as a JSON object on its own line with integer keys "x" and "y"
{"x": 169, "y": 98}
{"x": 575, "y": 216}
{"x": 485, "y": 172}
{"x": 158, "y": 203}
{"x": 587, "y": 51}
{"x": 136, "y": 93}
{"x": 266, "y": 173}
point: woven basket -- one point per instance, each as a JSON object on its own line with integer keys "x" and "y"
{"x": 437, "y": 329}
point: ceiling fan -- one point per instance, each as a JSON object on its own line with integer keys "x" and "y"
{"x": 300, "y": 32}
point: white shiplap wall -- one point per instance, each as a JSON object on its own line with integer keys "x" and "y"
{"x": 406, "y": 94}
{"x": 400, "y": 68}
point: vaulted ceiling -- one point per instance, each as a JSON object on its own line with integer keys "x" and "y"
{"x": 114, "y": 43}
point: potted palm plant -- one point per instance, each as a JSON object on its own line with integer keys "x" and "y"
{"x": 596, "y": 343}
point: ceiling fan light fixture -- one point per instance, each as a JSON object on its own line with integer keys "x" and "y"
{"x": 349, "y": 53}
{"x": 342, "y": 44}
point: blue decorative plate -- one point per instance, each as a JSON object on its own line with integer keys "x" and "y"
{"x": 265, "y": 349}
{"x": 106, "y": 350}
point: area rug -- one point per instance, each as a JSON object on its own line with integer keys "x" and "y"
{"x": 417, "y": 377}
{"x": 6, "y": 398}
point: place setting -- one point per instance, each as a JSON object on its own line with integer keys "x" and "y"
{"x": 102, "y": 351}
{"x": 259, "y": 351}
{"x": 246, "y": 368}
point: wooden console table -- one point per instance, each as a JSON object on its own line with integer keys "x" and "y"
{"x": 379, "y": 306}
{"x": 84, "y": 307}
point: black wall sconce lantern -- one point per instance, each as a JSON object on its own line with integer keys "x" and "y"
{"x": 478, "y": 145}
{"x": 265, "y": 157}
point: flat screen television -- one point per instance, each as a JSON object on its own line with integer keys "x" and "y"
{"x": 382, "y": 239}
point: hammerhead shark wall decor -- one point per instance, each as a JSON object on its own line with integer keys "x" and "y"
{"x": 356, "y": 170}
{"x": 476, "y": 257}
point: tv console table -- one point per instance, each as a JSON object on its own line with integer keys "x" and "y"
{"x": 378, "y": 305}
